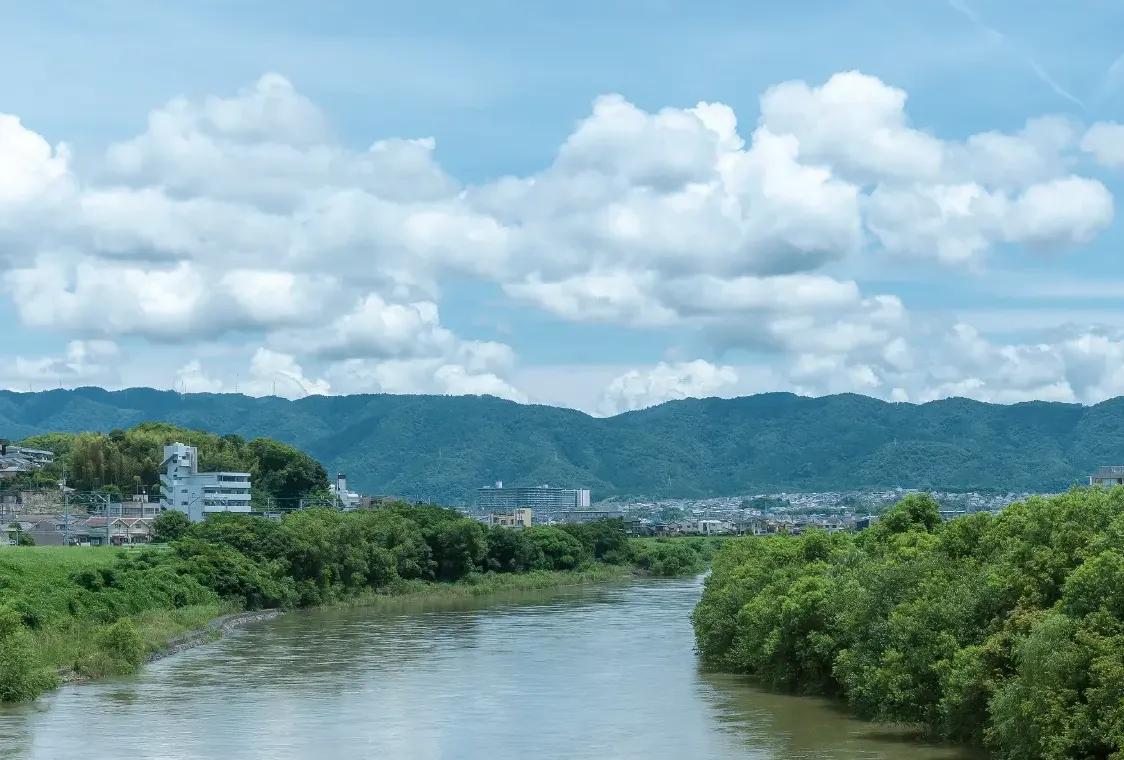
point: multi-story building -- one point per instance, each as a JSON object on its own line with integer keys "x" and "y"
{"x": 1107, "y": 476}
{"x": 520, "y": 518}
{"x": 346, "y": 499}
{"x": 586, "y": 515}
{"x": 197, "y": 494}
{"x": 544, "y": 500}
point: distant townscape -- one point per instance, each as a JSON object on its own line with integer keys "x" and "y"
{"x": 121, "y": 481}
{"x": 750, "y": 514}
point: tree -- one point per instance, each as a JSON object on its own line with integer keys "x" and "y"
{"x": 170, "y": 525}
{"x": 560, "y": 550}
{"x": 285, "y": 472}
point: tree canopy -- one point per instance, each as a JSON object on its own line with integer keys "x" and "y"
{"x": 1005, "y": 631}
{"x": 126, "y": 460}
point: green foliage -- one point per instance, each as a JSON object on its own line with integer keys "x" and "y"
{"x": 123, "y": 643}
{"x": 1003, "y": 631}
{"x": 170, "y": 525}
{"x": 93, "y": 598}
{"x": 283, "y": 471}
{"x": 559, "y": 549}
{"x": 605, "y": 539}
{"x": 22, "y": 675}
{"x": 122, "y": 460}
{"x": 444, "y": 448}
{"x": 766, "y": 503}
{"x": 668, "y": 558}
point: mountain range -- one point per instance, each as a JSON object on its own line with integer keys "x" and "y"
{"x": 443, "y": 448}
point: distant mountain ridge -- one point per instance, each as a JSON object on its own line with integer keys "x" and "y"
{"x": 445, "y": 447}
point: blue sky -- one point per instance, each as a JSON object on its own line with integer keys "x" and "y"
{"x": 500, "y": 87}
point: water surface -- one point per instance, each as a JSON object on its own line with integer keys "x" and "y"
{"x": 606, "y": 672}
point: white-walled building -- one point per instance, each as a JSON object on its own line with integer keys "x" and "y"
{"x": 197, "y": 494}
{"x": 346, "y": 499}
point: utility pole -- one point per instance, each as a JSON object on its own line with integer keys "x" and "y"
{"x": 65, "y": 514}
{"x": 108, "y": 542}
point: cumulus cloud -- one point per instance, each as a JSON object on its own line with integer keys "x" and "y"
{"x": 637, "y": 389}
{"x": 85, "y": 362}
{"x": 1073, "y": 365}
{"x": 245, "y": 215}
{"x": 420, "y": 376}
{"x": 270, "y": 373}
{"x": 1105, "y": 141}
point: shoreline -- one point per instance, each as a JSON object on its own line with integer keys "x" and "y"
{"x": 212, "y": 631}
{"x": 402, "y": 593}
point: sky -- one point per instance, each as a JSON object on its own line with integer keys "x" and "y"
{"x": 602, "y": 205}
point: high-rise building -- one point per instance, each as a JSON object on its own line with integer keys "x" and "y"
{"x": 197, "y": 494}
{"x": 542, "y": 500}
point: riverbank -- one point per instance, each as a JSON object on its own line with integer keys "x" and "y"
{"x": 71, "y": 614}
{"x": 1004, "y": 632}
{"x": 406, "y": 594}
{"x": 160, "y": 646}
{"x": 409, "y": 592}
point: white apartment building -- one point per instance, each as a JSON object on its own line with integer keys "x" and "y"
{"x": 197, "y": 494}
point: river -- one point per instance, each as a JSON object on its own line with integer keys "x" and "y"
{"x": 604, "y": 672}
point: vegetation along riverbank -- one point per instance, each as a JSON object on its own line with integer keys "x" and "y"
{"x": 1004, "y": 631}
{"x": 72, "y": 613}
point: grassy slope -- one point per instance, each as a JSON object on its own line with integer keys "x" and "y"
{"x": 65, "y": 642}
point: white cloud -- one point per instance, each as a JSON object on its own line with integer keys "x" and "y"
{"x": 638, "y": 389}
{"x": 270, "y": 373}
{"x": 29, "y": 167}
{"x": 1105, "y": 140}
{"x": 957, "y": 224}
{"x": 85, "y": 362}
{"x": 419, "y": 376}
{"x": 246, "y": 216}
{"x": 191, "y": 378}
{"x": 1072, "y": 366}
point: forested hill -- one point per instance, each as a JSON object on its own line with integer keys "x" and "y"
{"x": 441, "y": 447}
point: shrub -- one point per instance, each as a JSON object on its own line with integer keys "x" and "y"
{"x": 123, "y": 643}
{"x": 170, "y": 525}
{"x": 558, "y": 548}
{"x": 22, "y": 675}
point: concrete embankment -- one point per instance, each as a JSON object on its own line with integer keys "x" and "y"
{"x": 212, "y": 631}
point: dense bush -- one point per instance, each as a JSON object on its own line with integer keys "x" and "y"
{"x": 604, "y": 540}
{"x": 666, "y": 558}
{"x": 170, "y": 525}
{"x": 1005, "y": 631}
{"x": 22, "y": 676}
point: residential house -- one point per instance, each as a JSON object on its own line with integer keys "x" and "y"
{"x": 120, "y": 531}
